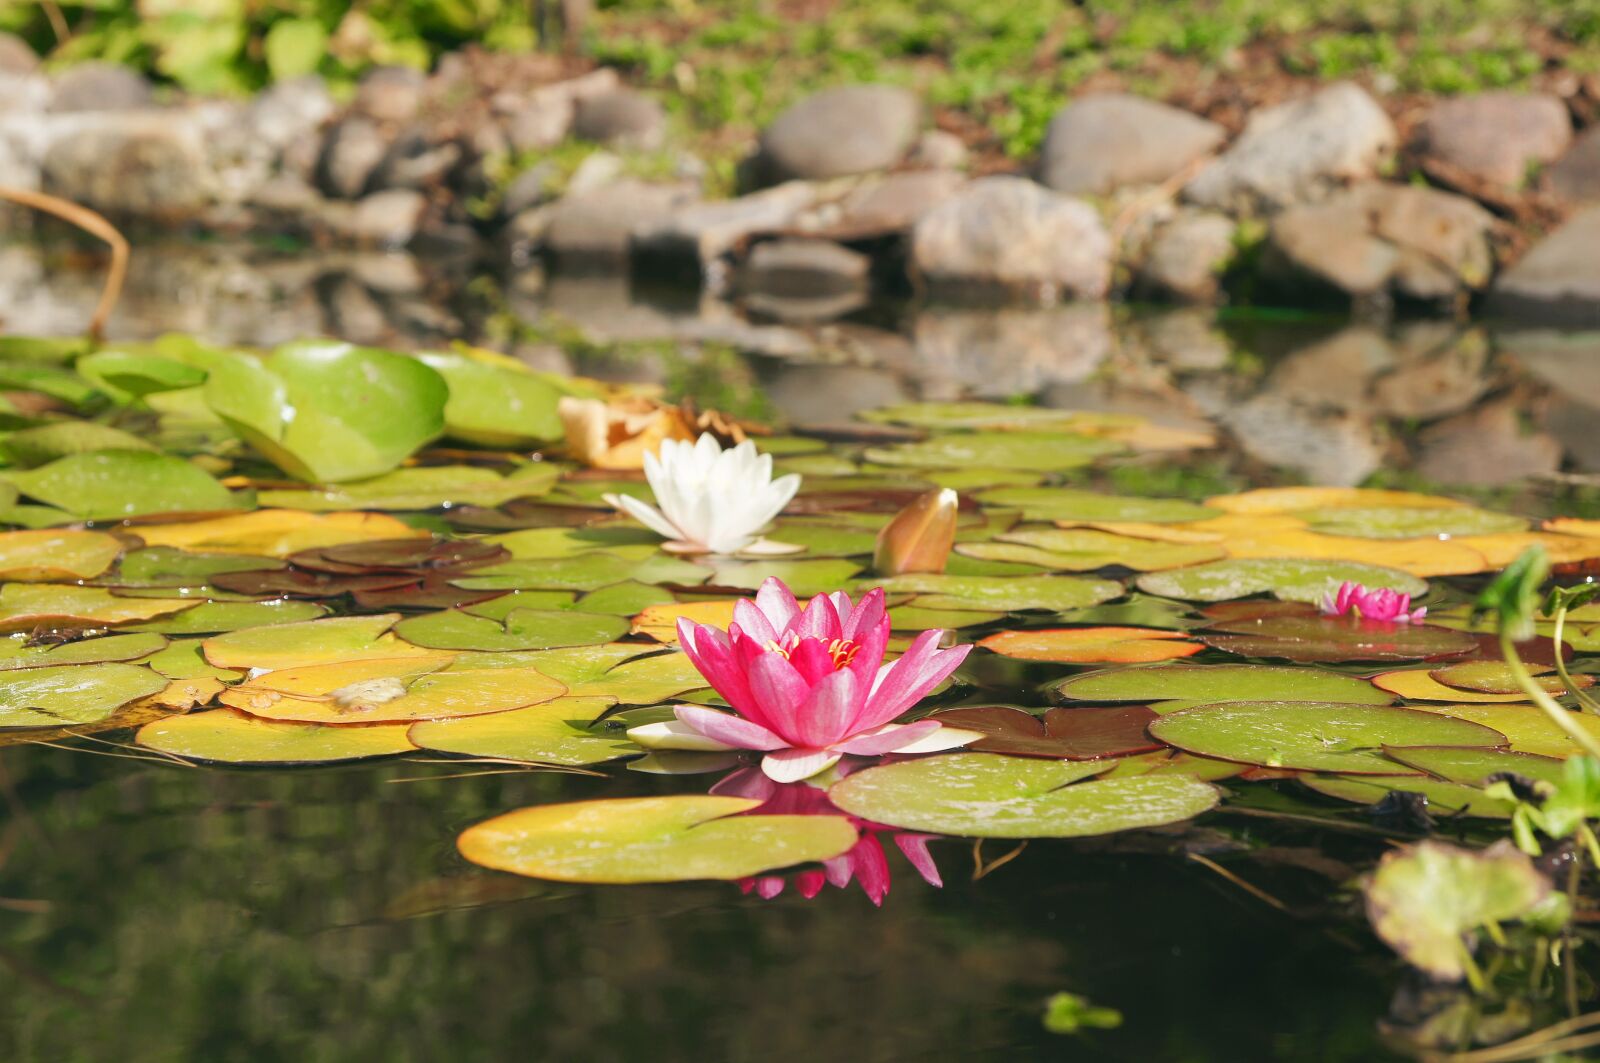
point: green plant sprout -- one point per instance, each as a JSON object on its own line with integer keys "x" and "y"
{"x": 1556, "y": 606}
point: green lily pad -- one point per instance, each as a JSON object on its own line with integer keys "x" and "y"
{"x": 56, "y": 555}
{"x": 1423, "y": 898}
{"x": 1219, "y": 682}
{"x": 957, "y": 415}
{"x": 1327, "y": 638}
{"x": 1068, "y": 504}
{"x": 1472, "y": 767}
{"x": 24, "y": 606}
{"x": 1444, "y": 798}
{"x": 422, "y": 487}
{"x": 311, "y": 642}
{"x": 326, "y": 412}
{"x": 1031, "y": 451}
{"x": 16, "y": 653}
{"x": 546, "y": 544}
{"x": 183, "y": 659}
{"x": 139, "y": 374}
{"x": 1001, "y": 593}
{"x": 226, "y": 736}
{"x": 112, "y": 484}
{"x": 584, "y": 572}
{"x": 210, "y": 618}
{"x": 72, "y": 694}
{"x": 496, "y": 401}
{"x": 615, "y": 670}
{"x": 557, "y": 732}
{"x": 1314, "y": 735}
{"x": 825, "y": 539}
{"x": 628, "y": 598}
{"x": 522, "y": 629}
{"x": 1405, "y": 522}
{"x": 986, "y": 795}
{"x": 1292, "y": 579}
{"x": 969, "y": 479}
{"x": 30, "y": 447}
{"x": 167, "y": 566}
{"x": 1085, "y": 550}
{"x": 805, "y": 578}
{"x": 652, "y": 839}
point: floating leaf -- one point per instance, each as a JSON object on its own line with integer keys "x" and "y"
{"x": 496, "y": 401}
{"x": 209, "y": 618}
{"x": 1084, "y": 645}
{"x": 166, "y": 566}
{"x": 1472, "y": 767}
{"x": 325, "y": 411}
{"x": 627, "y": 598}
{"x": 56, "y": 555}
{"x": 1526, "y": 727}
{"x": 1219, "y": 682}
{"x": 31, "y": 447}
{"x": 1314, "y": 735}
{"x": 15, "y": 652}
{"x": 1423, "y": 898}
{"x": 111, "y": 484}
{"x": 1418, "y": 684}
{"x": 960, "y": 415}
{"x": 82, "y": 693}
{"x": 1085, "y": 549}
{"x": 423, "y": 487}
{"x": 916, "y": 618}
{"x": 1001, "y": 593}
{"x": 652, "y": 839}
{"x": 543, "y": 544}
{"x": 275, "y": 532}
{"x": 1494, "y": 677}
{"x": 1276, "y": 537}
{"x": 584, "y": 572}
{"x": 522, "y": 629}
{"x": 1327, "y": 638}
{"x": 313, "y": 642}
{"x": 1067, "y": 504}
{"x": 435, "y": 695}
{"x": 1029, "y": 451}
{"x": 1295, "y": 499}
{"x": 557, "y": 732}
{"x": 1071, "y": 734}
{"x": 1444, "y": 798}
{"x": 1289, "y": 578}
{"x": 58, "y": 605}
{"x": 1409, "y": 522}
{"x": 660, "y": 622}
{"x": 224, "y": 736}
{"x": 989, "y": 796}
{"x": 805, "y": 578}
{"x": 182, "y": 659}
{"x": 139, "y": 374}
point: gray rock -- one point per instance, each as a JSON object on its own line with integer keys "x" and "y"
{"x": 623, "y": 118}
{"x": 414, "y": 161}
{"x": 896, "y": 202}
{"x": 1486, "y": 447}
{"x": 1374, "y": 237}
{"x": 16, "y": 57}
{"x": 689, "y": 242}
{"x": 1335, "y": 371}
{"x": 1436, "y": 384}
{"x": 1186, "y": 339}
{"x": 595, "y": 227}
{"x": 1007, "y": 236}
{"x": 1495, "y": 136}
{"x": 153, "y": 165}
{"x": 797, "y": 266}
{"x": 351, "y": 153}
{"x": 1558, "y": 281}
{"x": 1098, "y": 144}
{"x": 385, "y": 219}
{"x": 1008, "y": 352}
{"x": 843, "y": 131}
{"x": 530, "y": 188}
{"x": 1576, "y": 177}
{"x": 286, "y": 194}
{"x": 1187, "y": 256}
{"x": 290, "y": 110}
{"x": 1338, "y": 449}
{"x": 1297, "y": 152}
{"x": 543, "y": 118}
{"x": 99, "y": 86}
{"x": 937, "y": 150}
{"x": 600, "y": 168}
{"x": 390, "y": 94}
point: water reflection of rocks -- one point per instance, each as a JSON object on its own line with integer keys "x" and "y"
{"x": 1329, "y": 402}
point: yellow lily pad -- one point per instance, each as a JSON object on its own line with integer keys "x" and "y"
{"x": 556, "y": 732}
{"x": 1289, "y": 499}
{"x": 24, "y": 606}
{"x": 660, "y": 622}
{"x": 311, "y": 642}
{"x": 73, "y": 694}
{"x": 434, "y": 695}
{"x": 56, "y": 554}
{"x": 223, "y": 736}
{"x": 275, "y": 532}
{"x": 1526, "y": 727}
{"x": 1418, "y": 684}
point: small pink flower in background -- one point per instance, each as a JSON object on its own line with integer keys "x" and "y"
{"x": 809, "y": 686}
{"x": 1381, "y": 604}
{"x": 866, "y": 862}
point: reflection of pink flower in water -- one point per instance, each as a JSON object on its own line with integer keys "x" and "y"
{"x": 866, "y": 862}
{"x": 809, "y": 686}
{"x": 1381, "y": 604}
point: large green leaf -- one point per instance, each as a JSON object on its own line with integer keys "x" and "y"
{"x": 1067, "y": 504}
{"x": 327, "y": 412}
{"x": 1036, "y": 451}
{"x": 1220, "y": 682}
{"x": 81, "y": 693}
{"x": 423, "y": 487}
{"x": 112, "y": 484}
{"x": 495, "y": 401}
{"x": 1002, "y": 593}
{"x": 1290, "y": 578}
{"x": 225, "y": 736}
{"x": 557, "y": 732}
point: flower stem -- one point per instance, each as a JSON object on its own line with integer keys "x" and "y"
{"x": 1584, "y": 699}
{"x": 1552, "y": 708}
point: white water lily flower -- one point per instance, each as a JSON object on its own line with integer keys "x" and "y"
{"x": 711, "y": 500}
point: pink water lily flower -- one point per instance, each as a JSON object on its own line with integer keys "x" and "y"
{"x": 865, "y": 863}
{"x": 809, "y": 686}
{"x": 1381, "y": 604}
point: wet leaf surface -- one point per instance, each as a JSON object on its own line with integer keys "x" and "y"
{"x": 1220, "y": 682}
{"x": 1290, "y": 578}
{"x": 557, "y": 732}
{"x": 1092, "y": 645}
{"x": 1070, "y": 734}
{"x": 83, "y": 693}
{"x": 225, "y": 736}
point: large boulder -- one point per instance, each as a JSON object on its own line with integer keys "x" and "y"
{"x": 1187, "y": 255}
{"x": 843, "y": 131}
{"x": 801, "y": 278}
{"x": 1327, "y": 447}
{"x": 1012, "y": 351}
{"x": 1487, "y": 446}
{"x": 893, "y": 203}
{"x": 1009, "y": 237}
{"x": 543, "y": 117}
{"x": 390, "y": 94}
{"x": 689, "y": 243}
{"x": 1101, "y": 143}
{"x": 148, "y": 165}
{"x": 1297, "y": 152}
{"x": 1494, "y": 137}
{"x": 99, "y": 87}
{"x": 1375, "y": 237}
{"x": 16, "y": 57}
{"x": 352, "y": 151}
{"x": 1576, "y": 178}
{"x": 594, "y": 228}
{"x": 1558, "y": 281}
{"x": 622, "y": 118}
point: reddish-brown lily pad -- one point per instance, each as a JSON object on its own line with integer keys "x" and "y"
{"x": 400, "y": 555}
{"x": 1066, "y": 734}
{"x": 1328, "y": 638}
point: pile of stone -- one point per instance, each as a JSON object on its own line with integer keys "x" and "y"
{"x": 848, "y": 193}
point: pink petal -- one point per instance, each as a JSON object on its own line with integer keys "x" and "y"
{"x": 840, "y": 869}
{"x": 777, "y": 604}
{"x": 754, "y": 623}
{"x": 812, "y": 661}
{"x": 915, "y": 848}
{"x": 728, "y": 729}
{"x": 872, "y": 868}
{"x": 716, "y": 657}
{"x": 865, "y": 616}
{"x": 746, "y": 782}
{"x": 819, "y": 621}
{"x": 792, "y": 765}
{"x": 888, "y": 739}
{"x": 826, "y": 714}
{"x": 810, "y": 883}
{"x": 769, "y": 886}
{"x": 870, "y": 643}
{"x": 780, "y": 691}
{"x": 909, "y": 679}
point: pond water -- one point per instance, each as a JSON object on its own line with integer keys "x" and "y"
{"x": 163, "y": 911}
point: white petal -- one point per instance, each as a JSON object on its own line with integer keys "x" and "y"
{"x": 670, "y": 734}
{"x": 942, "y": 739}
{"x": 645, "y": 514}
{"x": 792, "y": 765}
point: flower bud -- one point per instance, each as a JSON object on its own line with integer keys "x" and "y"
{"x": 920, "y": 536}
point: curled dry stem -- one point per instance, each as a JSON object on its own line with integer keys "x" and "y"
{"x": 95, "y": 225}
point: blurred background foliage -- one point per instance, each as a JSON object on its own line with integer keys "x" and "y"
{"x": 1006, "y": 66}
